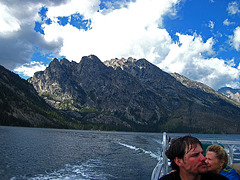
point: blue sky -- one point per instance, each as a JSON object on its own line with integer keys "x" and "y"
{"x": 197, "y": 39}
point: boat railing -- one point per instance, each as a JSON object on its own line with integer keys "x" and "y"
{"x": 162, "y": 166}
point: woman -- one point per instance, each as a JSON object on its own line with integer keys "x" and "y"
{"x": 217, "y": 159}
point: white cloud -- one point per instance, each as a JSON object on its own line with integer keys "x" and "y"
{"x": 235, "y": 39}
{"x": 233, "y": 8}
{"x": 189, "y": 57}
{"x": 17, "y": 36}
{"x": 181, "y": 54}
{"x": 13, "y": 15}
{"x": 216, "y": 72}
{"x": 85, "y": 7}
{"x": 7, "y": 21}
{"x": 129, "y": 31}
{"x": 28, "y": 69}
{"x": 211, "y": 24}
{"x": 226, "y": 22}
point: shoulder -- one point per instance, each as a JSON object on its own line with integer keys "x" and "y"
{"x": 230, "y": 173}
{"x": 213, "y": 176}
{"x": 171, "y": 176}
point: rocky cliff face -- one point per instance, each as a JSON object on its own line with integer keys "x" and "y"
{"x": 221, "y": 93}
{"x": 133, "y": 94}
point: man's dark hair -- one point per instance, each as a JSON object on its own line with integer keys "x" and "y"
{"x": 178, "y": 146}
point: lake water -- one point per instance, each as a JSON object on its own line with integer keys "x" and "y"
{"x": 35, "y": 153}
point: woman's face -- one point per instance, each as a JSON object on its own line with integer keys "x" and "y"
{"x": 213, "y": 163}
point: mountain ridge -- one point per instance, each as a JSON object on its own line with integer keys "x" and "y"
{"x": 118, "y": 94}
{"x": 20, "y": 104}
{"x": 136, "y": 94}
{"x": 197, "y": 85}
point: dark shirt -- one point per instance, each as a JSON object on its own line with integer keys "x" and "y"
{"x": 205, "y": 176}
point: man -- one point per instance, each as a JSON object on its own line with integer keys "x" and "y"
{"x": 187, "y": 161}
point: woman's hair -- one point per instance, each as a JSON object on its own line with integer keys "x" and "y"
{"x": 220, "y": 153}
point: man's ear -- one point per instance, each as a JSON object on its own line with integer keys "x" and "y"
{"x": 178, "y": 161}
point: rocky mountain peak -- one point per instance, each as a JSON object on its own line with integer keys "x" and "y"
{"x": 54, "y": 63}
{"x": 120, "y": 94}
{"x": 135, "y": 94}
{"x": 54, "y": 67}
{"x": 64, "y": 61}
{"x": 91, "y": 60}
{"x": 120, "y": 63}
{"x": 91, "y": 64}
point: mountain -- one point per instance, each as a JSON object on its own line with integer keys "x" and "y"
{"x": 231, "y": 93}
{"x": 20, "y": 104}
{"x": 130, "y": 94}
{"x": 197, "y": 85}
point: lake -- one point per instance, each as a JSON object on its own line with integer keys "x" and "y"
{"x": 38, "y": 153}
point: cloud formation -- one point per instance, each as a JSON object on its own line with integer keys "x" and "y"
{"x": 113, "y": 29}
{"x": 211, "y": 24}
{"x": 233, "y": 8}
{"x": 226, "y": 22}
{"x": 189, "y": 58}
{"x": 28, "y": 69}
{"x": 137, "y": 30}
{"x": 236, "y": 39}
{"x": 128, "y": 31}
{"x": 18, "y": 40}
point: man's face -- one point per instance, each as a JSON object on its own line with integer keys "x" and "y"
{"x": 193, "y": 161}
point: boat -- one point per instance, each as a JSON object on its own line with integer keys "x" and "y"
{"x": 163, "y": 166}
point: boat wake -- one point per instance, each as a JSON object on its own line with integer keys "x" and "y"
{"x": 153, "y": 155}
{"x": 81, "y": 171}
